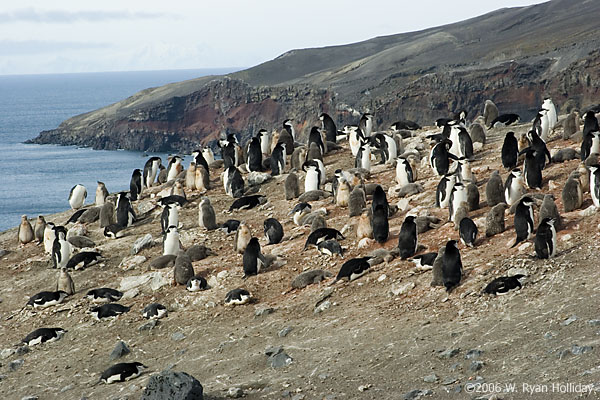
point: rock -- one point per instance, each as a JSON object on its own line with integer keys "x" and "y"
{"x": 309, "y": 277}
{"x": 156, "y": 280}
{"x": 569, "y": 320}
{"x": 382, "y": 277}
{"x": 430, "y": 378}
{"x": 522, "y": 247}
{"x": 594, "y": 322}
{"x": 312, "y": 195}
{"x": 148, "y": 326}
{"x": 477, "y": 146}
{"x": 172, "y": 385}
{"x": 130, "y": 294}
{"x": 398, "y": 290}
{"x": 416, "y": 394}
{"x": 588, "y": 212}
{"x": 142, "y": 243}
{"x": 3, "y": 252}
{"x": 552, "y": 185}
{"x": 235, "y": 392}
{"x": 258, "y": 178}
{"x": 119, "y": 351}
{"x": 264, "y": 311}
{"x": 144, "y": 207}
{"x": 578, "y": 350}
{"x": 277, "y": 357}
{"x": 16, "y": 364}
{"x": 449, "y": 380}
{"x": 473, "y": 353}
{"x": 449, "y": 353}
{"x": 178, "y": 336}
{"x": 475, "y": 366}
{"x": 322, "y": 307}
{"x": 285, "y": 331}
{"x": 362, "y": 388}
{"x": 5, "y": 353}
{"x": 77, "y": 229}
{"x": 131, "y": 262}
{"x": 324, "y": 294}
{"x": 30, "y": 398}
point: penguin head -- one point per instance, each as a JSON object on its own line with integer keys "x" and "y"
{"x": 516, "y": 172}
{"x": 410, "y": 219}
{"x": 287, "y": 122}
{"x": 322, "y": 116}
{"x": 452, "y": 243}
{"x": 171, "y": 229}
{"x": 549, "y": 221}
{"x": 527, "y": 201}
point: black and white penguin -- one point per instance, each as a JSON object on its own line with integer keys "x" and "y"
{"x": 273, "y": 230}
{"x": 366, "y": 124}
{"x": 300, "y": 210}
{"x": 505, "y": 120}
{"x": 171, "y": 244}
{"x": 590, "y": 144}
{"x": 545, "y": 239}
{"x": 151, "y": 168}
{"x": 253, "y": 259}
{"x": 377, "y": 141}
{"x": 135, "y": 184}
{"x": 254, "y": 158}
{"x": 125, "y": 213}
{"x": 513, "y": 187}
{"x": 380, "y": 215}
{"x": 169, "y": 217}
{"x": 84, "y": 259}
{"x": 278, "y": 159}
{"x": 330, "y": 247}
{"x": 315, "y": 137}
{"x": 425, "y": 261}
{"x": 104, "y": 295}
{"x": 174, "y": 168}
{"x": 196, "y": 283}
{"x": 43, "y": 335}
{"x": 110, "y": 310}
{"x": 444, "y": 190}
{"x": 199, "y": 160}
{"x": 503, "y": 284}
{"x": 264, "y": 138}
{"x": 355, "y": 138}
{"x": 462, "y": 145}
{"x": 363, "y": 157}
{"x": 457, "y": 196}
{"x": 237, "y": 297}
{"x": 172, "y": 199}
{"x": 539, "y": 146}
{"x": 404, "y": 172}
{"x": 247, "y": 202}
{"x": 552, "y": 115}
{"x": 114, "y": 231}
{"x": 524, "y": 220}
{"x": 405, "y": 124}
{"x": 532, "y": 169}
{"x": 288, "y": 126}
{"x": 407, "y": 239}
{"x": 439, "y": 159}
{"x": 61, "y": 248}
{"x": 380, "y": 200}
{"x": 595, "y": 184}
{"x": 451, "y": 266}
{"x": 154, "y": 311}
{"x": 329, "y": 127}
{"x": 122, "y": 372}
{"x": 75, "y": 217}
{"x": 463, "y": 170}
{"x": 233, "y": 182}
{"x": 101, "y": 194}
{"x": 510, "y": 151}
{"x": 468, "y": 231}
{"x": 47, "y": 299}
{"x": 230, "y": 226}
{"x": 322, "y": 234}
{"x": 353, "y": 269}
{"x": 77, "y": 196}
{"x": 229, "y": 151}
{"x": 312, "y": 180}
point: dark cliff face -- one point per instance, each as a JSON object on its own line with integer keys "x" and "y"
{"x": 515, "y": 57}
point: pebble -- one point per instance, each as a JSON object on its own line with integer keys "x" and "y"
{"x": 131, "y": 262}
{"x": 15, "y": 365}
{"x": 578, "y": 350}
{"x": 178, "y": 336}
{"x": 449, "y": 381}
{"x": 285, "y": 331}
{"x": 473, "y": 353}
{"x": 277, "y": 357}
{"x": 5, "y": 353}
{"x": 120, "y": 350}
{"x": 235, "y": 392}
{"x": 264, "y": 311}
{"x": 322, "y": 307}
{"x": 449, "y": 353}
{"x": 594, "y": 322}
{"x": 397, "y": 290}
{"x": 569, "y": 320}
{"x": 524, "y": 246}
{"x": 417, "y": 394}
{"x": 324, "y": 294}
{"x": 566, "y": 237}
{"x": 475, "y": 366}
{"x": 430, "y": 378}
{"x": 148, "y": 326}
{"x": 142, "y": 243}
{"x": 362, "y": 388}
{"x": 382, "y": 278}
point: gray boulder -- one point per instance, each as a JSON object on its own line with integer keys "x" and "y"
{"x": 171, "y": 385}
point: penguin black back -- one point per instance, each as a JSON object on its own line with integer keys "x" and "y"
{"x": 407, "y": 239}
{"x": 510, "y": 151}
{"x": 315, "y": 137}
{"x": 273, "y": 230}
{"x": 135, "y": 184}
{"x": 252, "y": 258}
{"x": 329, "y": 127}
{"x": 451, "y": 266}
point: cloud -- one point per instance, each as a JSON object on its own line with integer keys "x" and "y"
{"x": 65, "y": 17}
{"x": 34, "y": 47}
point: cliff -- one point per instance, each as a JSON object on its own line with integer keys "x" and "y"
{"x": 514, "y": 56}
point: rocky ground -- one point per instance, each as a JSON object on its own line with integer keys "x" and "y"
{"x": 387, "y": 335}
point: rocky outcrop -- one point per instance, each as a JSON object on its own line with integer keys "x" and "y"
{"x": 515, "y": 57}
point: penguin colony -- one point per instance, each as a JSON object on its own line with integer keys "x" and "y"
{"x": 355, "y": 190}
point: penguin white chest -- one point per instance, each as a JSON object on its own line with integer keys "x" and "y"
{"x": 311, "y": 181}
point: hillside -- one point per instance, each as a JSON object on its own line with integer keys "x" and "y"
{"x": 514, "y": 56}
{"x": 387, "y": 335}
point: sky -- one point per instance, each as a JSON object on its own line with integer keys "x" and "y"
{"x": 63, "y": 36}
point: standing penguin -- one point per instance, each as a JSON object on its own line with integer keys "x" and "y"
{"x": 572, "y": 193}
{"x": 206, "y": 215}
{"x": 329, "y": 127}
{"x": 407, "y": 239}
{"x": 174, "y": 168}
{"x": 291, "y": 186}
{"x": 490, "y": 112}
{"x": 49, "y": 236}
{"x": 444, "y": 190}
{"x": 439, "y": 159}
{"x": 65, "y": 282}
{"x": 315, "y": 137}
{"x": 342, "y": 196}
{"x": 312, "y": 180}
{"x": 278, "y": 159}
{"x": 366, "y": 124}
{"x": 595, "y": 184}
{"x": 198, "y": 159}
{"x": 524, "y": 220}
{"x": 253, "y": 259}
{"x": 61, "y": 248}
{"x": 462, "y": 145}
{"x": 151, "y": 168}
{"x": 541, "y": 124}
{"x": 404, "y": 172}
{"x": 458, "y": 195}
{"x": 463, "y": 170}
{"x": 171, "y": 244}
{"x": 101, "y": 194}
{"x": 513, "y": 187}
{"x": 590, "y": 144}
{"x": 364, "y": 227}
{"x": 551, "y": 114}
{"x": 242, "y": 238}
{"x": 254, "y": 160}
{"x": 451, "y": 266}
{"x": 25, "y": 234}
{"x": 357, "y": 201}
{"x": 39, "y": 228}
{"x": 380, "y": 215}
{"x": 125, "y": 213}
{"x": 135, "y": 184}
{"x": 510, "y": 151}
{"x": 190, "y": 176}
{"x": 545, "y": 239}
{"x": 77, "y": 196}
{"x": 494, "y": 189}
{"x": 169, "y": 217}
{"x": 273, "y": 230}
{"x": 355, "y": 138}
{"x": 468, "y": 231}
{"x": 494, "y": 221}
{"x": 363, "y": 157}
{"x": 537, "y": 144}
{"x": 532, "y": 169}
{"x": 265, "y": 142}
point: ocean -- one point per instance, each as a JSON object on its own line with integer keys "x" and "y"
{"x": 36, "y": 179}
